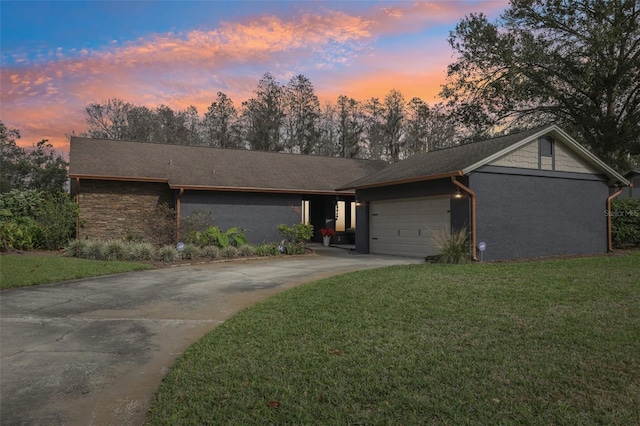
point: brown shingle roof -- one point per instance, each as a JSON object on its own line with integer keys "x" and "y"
{"x": 463, "y": 159}
{"x": 444, "y": 162}
{"x": 212, "y": 168}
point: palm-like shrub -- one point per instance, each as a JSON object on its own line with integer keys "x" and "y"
{"x": 210, "y": 252}
{"x": 230, "y": 252}
{"x": 453, "y": 247}
{"x": 94, "y": 250}
{"x": 246, "y": 250}
{"x": 75, "y": 248}
{"x": 141, "y": 251}
{"x": 115, "y": 250}
{"x": 168, "y": 254}
{"x": 191, "y": 251}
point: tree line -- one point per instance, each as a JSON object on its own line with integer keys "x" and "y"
{"x": 285, "y": 118}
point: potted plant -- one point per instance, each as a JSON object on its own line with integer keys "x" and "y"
{"x": 327, "y": 233}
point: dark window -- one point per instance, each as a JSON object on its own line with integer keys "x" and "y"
{"x": 546, "y": 147}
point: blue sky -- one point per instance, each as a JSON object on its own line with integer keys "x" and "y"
{"x": 59, "y": 56}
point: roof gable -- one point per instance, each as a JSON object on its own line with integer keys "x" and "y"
{"x": 194, "y": 167}
{"x": 464, "y": 159}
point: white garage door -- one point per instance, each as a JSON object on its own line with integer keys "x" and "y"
{"x": 406, "y": 227}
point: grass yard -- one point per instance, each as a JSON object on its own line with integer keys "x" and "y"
{"x": 548, "y": 342}
{"x": 20, "y": 270}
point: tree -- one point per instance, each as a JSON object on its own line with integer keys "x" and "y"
{"x": 108, "y": 120}
{"x": 351, "y": 127}
{"x": 427, "y": 128}
{"x": 375, "y": 128}
{"x": 14, "y": 167}
{"x": 39, "y": 167}
{"x": 328, "y": 131}
{"x": 572, "y": 62}
{"x": 394, "y": 115}
{"x": 302, "y": 112}
{"x": 221, "y": 124}
{"x": 263, "y": 116}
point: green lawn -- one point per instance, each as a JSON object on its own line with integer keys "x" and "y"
{"x": 19, "y": 270}
{"x": 548, "y": 342}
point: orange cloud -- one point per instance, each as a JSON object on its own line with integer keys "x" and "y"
{"x": 335, "y": 49}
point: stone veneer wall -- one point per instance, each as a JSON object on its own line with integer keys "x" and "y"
{"x": 109, "y": 209}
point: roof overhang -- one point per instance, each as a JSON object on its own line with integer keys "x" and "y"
{"x": 263, "y": 190}
{"x": 119, "y": 178}
{"x": 345, "y": 192}
{"x": 403, "y": 181}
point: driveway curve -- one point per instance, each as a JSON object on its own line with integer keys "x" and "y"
{"x": 94, "y": 351}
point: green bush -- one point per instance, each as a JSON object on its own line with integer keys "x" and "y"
{"x": 76, "y": 248}
{"x": 191, "y": 251}
{"x": 33, "y": 219}
{"x": 168, "y": 254}
{"x": 625, "y": 222}
{"x": 213, "y": 236}
{"x": 141, "y": 251}
{"x": 197, "y": 221}
{"x": 210, "y": 252}
{"x": 21, "y": 233}
{"x": 230, "y": 252}
{"x": 56, "y": 218}
{"x": 159, "y": 226}
{"x": 94, "y": 250}
{"x": 297, "y": 248}
{"x": 298, "y": 233}
{"x": 246, "y": 250}
{"x": 267, "y": 249}
{"x": 453, "y": 247}
{"x": 115, "y": 250}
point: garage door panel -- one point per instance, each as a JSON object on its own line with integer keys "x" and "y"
{"x": 406, "y": 227}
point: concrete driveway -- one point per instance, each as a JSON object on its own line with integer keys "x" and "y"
{"x": 94, "y": 351}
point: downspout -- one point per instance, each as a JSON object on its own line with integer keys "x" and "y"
{"x": 178, "y": 213}
{"x": 472, "y": 196}
{"x": 78, "y": 207}
{"x": 609, "y": 236}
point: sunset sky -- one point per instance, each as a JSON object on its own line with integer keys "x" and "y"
{"x": 59, "y": 56}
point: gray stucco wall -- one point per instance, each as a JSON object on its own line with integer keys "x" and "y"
{"x": 526, "y": 216}
{"x": 258, "y": 213}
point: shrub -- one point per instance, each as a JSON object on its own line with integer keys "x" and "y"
{"x": 453, "y": 247}
{"x": 56, "y": 218}
{"x": 115, "y": 250}
{"x": 297, "y": 248}
{"x": 210, "y": 252}
{"x": 76, "y": 248}
{"x": 191, "y": 251}
{"x": 625, "y": 222}
{"x": 21, "y": 233}
{"x": 230, "y": 252}
{"x": 33, "y": 219}
{"x": 18, "y": 228}
{"x": 246, "y": 250}
{"x": 298, "y": 233}
{"x": 213, "y": 236}
{"x": 267, "y": 249}
{"x": 168, "y": 254}
{"x": 197, "y": 221}
{"x": 141, "y": 251}
{"x": 94, "y": 250}
{"x": 159, "y": 225}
